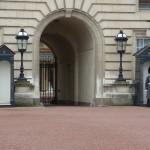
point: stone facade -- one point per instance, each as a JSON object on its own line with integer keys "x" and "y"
{"x": 83, "y": 37}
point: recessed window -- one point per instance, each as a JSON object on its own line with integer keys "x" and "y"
{"x": 142, "y": 42}
{"x": 144, "y": 4}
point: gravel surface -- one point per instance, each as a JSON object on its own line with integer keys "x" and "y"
{"x": 75, "y": 128}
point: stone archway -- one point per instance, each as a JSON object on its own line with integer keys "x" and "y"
{"x": 78, "y": 45}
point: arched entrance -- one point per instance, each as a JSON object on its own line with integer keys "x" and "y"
{"x": 74, "y": 42}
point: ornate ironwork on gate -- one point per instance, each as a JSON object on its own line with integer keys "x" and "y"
{"x": 48, "y": 80}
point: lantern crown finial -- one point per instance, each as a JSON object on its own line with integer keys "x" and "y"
{"x": 22, "y": 28}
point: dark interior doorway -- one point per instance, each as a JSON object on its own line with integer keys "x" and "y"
{"x": 48, "y": 76}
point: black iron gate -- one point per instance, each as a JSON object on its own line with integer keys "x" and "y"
{"x": 48, "y": 80}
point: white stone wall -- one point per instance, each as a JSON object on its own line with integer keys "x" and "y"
{"x": 110, "y": 16}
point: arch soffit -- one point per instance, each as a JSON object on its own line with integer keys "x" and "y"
{"x": 88, "y": 20}
{"x": 49, "y": 46}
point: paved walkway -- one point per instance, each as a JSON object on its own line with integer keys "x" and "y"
{"x": 75, "y": 128}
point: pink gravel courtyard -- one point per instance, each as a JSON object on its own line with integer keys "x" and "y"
{"x": 75, "y": 128}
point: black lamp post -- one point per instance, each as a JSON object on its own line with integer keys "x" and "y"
{"x": 121, "y": 40}
{"x": 22, "y": 41}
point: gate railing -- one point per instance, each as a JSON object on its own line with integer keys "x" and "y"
{"x": 48, "y": 81}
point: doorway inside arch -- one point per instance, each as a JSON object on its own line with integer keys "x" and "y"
{"x": 72, "y": 42}
{"x": 48, "y": 76}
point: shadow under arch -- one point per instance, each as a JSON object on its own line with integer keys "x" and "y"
{"x": 49, "y": 46}
{"x": 94, "y": 54}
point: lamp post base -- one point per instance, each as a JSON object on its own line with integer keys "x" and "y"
{"x": 120, "y": 79}
{"x": 20, "y": 78}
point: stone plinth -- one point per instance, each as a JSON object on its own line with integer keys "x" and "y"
{"x": 23, "y": 86}
{"x": 118, "y": 93}
{"x": 23, "y": 95}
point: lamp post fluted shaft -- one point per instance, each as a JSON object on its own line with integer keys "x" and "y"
{"x": 21, "y": 68}
{"x": 120, "y": 77}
